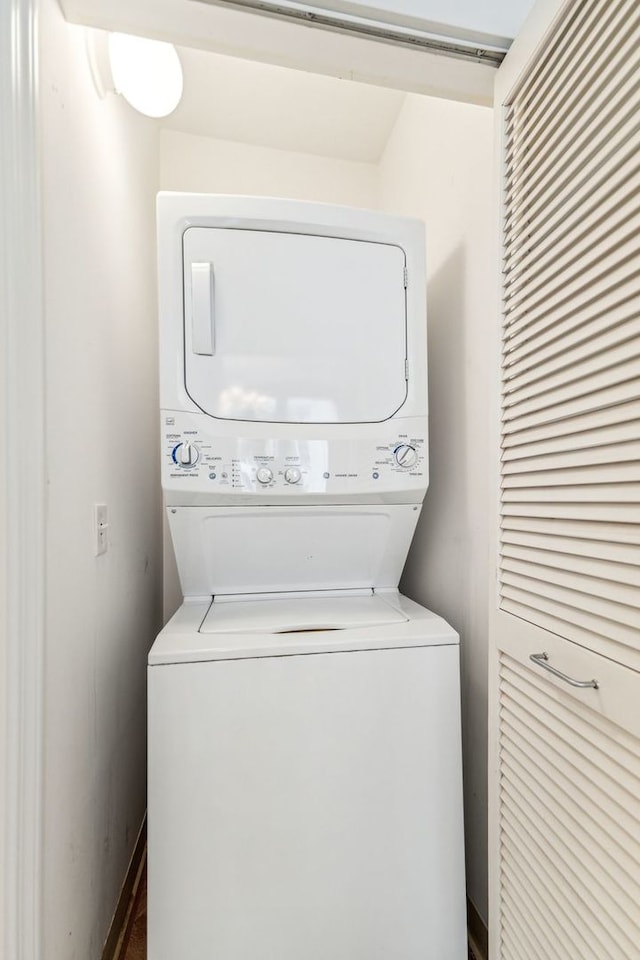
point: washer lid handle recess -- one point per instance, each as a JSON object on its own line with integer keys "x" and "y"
{"x": 300, "y": 615}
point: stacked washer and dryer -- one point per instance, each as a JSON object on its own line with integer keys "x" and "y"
{"x": 305, "y": 787}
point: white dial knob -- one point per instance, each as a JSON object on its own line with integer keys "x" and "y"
{"x": 187, "y": 454}
{"x": 405, "y": 455}
{"x": 264, "y": 475}
{"x": 292, "y": 475}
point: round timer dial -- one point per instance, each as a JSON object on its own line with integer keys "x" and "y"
{"x": 264, "y": 475}
{"x": 186, "y": 455}
{"x": 405, "y": 455}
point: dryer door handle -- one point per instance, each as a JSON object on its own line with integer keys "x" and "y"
{"x": 202, "y": 309}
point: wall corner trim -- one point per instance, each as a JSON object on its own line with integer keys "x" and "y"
{"x": 22, "y": 481}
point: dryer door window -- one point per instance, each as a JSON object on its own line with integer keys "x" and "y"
{"x": 291, "y": 328}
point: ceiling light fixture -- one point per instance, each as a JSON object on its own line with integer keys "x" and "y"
{"x": 146, "y": 72}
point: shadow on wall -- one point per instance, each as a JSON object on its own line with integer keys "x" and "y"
{"x": 172, "y": 592}
{"x": 436, "y": 573}
{"x": 447, "y": 568}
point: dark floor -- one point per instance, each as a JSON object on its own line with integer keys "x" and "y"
{"x": 134, "y": 946}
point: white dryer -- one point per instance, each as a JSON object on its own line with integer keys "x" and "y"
{"x": 305, "y": 796}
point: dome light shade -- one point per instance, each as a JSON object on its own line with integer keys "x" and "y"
{"x": 146, "y": 72}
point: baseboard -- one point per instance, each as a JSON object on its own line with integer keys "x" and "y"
{"x": 121, "y": 917}
{"x": 478, "y": 934}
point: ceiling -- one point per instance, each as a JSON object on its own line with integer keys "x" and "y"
{"x": 233, "y": 99}
{"x": 229, "y": 30}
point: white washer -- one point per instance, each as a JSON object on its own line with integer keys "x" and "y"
{"x": 305, "y": 786}
{"x": 305, "y": 796}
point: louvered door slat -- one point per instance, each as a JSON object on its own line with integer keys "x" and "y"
{"x": 546, "y": 876}
{"x": 544, "y": 101}
{"x": 612, "y": 471}
{"x": 612, "y": 540}
{"x": 560, "y": 234}
{"x": 535, "y": 937}
{"x": 572, "y": 394}
{"x": 554, "y": 330}
{"x": 573, "y": 369}
{"x": 573, "y": 859}
{"x": 577, "y": 452}
{"x": 602, "y": 117}
{"x": 583, "y": 512}
{"x": 566, "y": 601}
{"x": 579, "y": 347}
{"x": 587, "y": 744}
{"x": 599, "y": 280}
{"x": 600, "y": 120}
{"x": 553, "y": 755}
{"x": 604, "y": 397}
{"x": 542, "y": 276}
{"x": 544, "y": 929}
{"x": 583, "y": 563}
{"x": 591, "y": 198}
{"x": 612, "y": 141}
{"x": 546, "y": 79}
{"x": 582, "y": 810}
{"x": 620, "y": 493}
{"x": 543, "y": 934}
{"x": 570, "y": 430}
{"x": 603, "y": 597}
{"x": 534, "y": 450}
{"x": 524, "y": 544}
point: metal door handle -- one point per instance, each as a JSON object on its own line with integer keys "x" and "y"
{"x": 540, "y": 659}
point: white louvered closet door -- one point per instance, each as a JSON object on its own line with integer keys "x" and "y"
{"x": 565, "y": 625}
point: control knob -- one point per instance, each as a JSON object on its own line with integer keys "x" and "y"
{"x": 405, "y": 455}
{"x": 292, "y": 475}
{"x": 186, "y": 454}
{"x": 264, "y": 475}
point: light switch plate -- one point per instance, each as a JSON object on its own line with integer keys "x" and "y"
{"x": 101, "y": 528}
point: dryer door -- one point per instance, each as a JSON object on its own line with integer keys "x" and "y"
{"x": 292, "y": 328}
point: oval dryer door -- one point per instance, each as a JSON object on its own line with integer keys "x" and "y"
{"x": 292, "y": 328}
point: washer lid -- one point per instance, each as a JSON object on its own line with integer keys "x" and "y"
{"x": 299, "y": 615}
{"x": 183, "y": 640}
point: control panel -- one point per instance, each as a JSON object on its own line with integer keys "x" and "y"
{"x": 193, "y": 459}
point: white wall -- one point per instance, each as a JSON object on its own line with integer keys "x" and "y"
{"x": 204, "y": 164}
{"x": 438, "y": 166}
{"x": 99, "y": 168}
